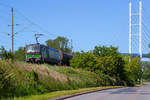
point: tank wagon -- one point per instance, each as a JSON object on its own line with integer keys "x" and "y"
{"x": 38, "y": 53}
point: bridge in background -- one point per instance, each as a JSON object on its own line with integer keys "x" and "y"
{"x": 136, "y": 55}
{"x": 139, "y": 33}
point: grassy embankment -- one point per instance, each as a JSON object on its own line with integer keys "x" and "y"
{"x": 18, "y": 79}
{"x": 21, "y": 79}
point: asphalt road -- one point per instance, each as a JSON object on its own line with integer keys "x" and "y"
{"x": 131, "y": 93}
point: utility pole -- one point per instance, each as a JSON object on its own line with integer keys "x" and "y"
{"x": 12, "y": 34}
{"x": 71, "y": 47}
{"x": 12, "y": 30}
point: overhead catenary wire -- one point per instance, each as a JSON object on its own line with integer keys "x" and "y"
{"x": 5, "y": 5}
{"x": 31, "y": 22}
{"x": 3, "y": 18}
{"x": 23, "y": 29}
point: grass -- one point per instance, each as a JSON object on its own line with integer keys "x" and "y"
{"x": 57, "y": 94}
{"x": 19, "y": 79}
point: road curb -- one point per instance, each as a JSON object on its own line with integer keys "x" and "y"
{"x": 78, "y": 94}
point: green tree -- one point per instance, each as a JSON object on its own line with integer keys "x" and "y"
{"x": 146, "y": 70}
{"x": 6, "y": 54}
{"x": 86, "y": 60}
{"x": 105, "y": 51}
{"x": 110, "y": 59}
{"x": 20, "y": 54}
{"x": 60, "y": 43}
{"x": 132, "y": 70}
{"x": 103, "y": 60}
{"x": 2, "y": 51}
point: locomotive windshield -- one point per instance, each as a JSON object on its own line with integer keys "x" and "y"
{"x": 33, "y": 48}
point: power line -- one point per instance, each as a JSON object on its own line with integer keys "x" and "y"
{"x": 2, "y": 17}
{"x": 5, "y": 5}
{"x": 6, "y": 33}
{"x": 22, "y": 30}
{"x": 31, "y": 22}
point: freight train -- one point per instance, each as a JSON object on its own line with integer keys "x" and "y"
{"x": 38, "y": 53}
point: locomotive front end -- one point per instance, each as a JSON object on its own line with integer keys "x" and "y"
{"x": 33, "y": 53}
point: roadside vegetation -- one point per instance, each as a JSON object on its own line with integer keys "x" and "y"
{"x": 61, "y": 94}
{"x": 107, "y": 61}
{"x": 146, "y": 71}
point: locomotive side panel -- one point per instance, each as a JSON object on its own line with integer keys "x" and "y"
{"x": 44, "y": 53}
{"x": 66, "y": 59}
{"x": 54, "y": 55}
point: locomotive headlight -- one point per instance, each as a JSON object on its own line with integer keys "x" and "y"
{"x": 29, "y": 56}
{"x": 37, "y": 56}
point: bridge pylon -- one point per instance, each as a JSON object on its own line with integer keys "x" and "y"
{"x": 134, "y": 25}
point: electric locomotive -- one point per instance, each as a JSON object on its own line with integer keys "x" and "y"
{"x": 38, "y": 53}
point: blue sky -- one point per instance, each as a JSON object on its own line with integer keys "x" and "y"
{"x": 86, "y": 22}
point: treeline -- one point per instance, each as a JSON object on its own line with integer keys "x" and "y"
{"x": 107, "y": 61}
{"x": 17, "y": 55}
{"x": 60, "y": 43}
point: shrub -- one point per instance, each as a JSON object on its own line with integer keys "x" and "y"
{"x": 110, "y": 64}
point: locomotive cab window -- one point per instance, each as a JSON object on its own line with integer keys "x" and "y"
{"x": 33, "y": 48}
